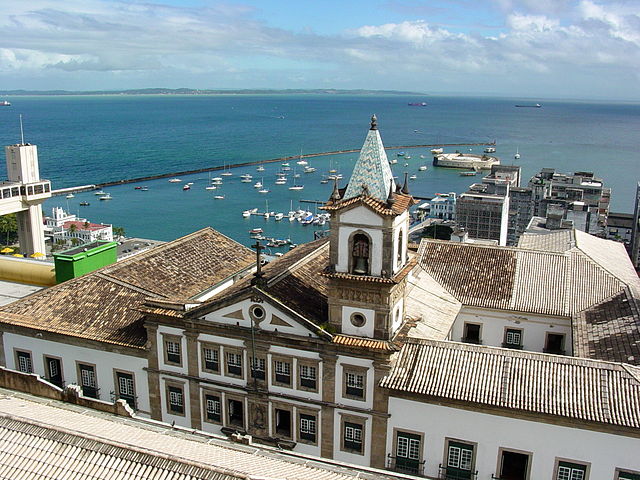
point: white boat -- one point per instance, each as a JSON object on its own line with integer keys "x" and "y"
{"x": 490, "y": 150}
{"x": 106, "y": 197}
{"x": 190, "y": 183}
{"x": 218, "y": 197}
{"x": 278, "y": 216}
{"x": 246, "y": 175}
{"x": 264, "y": 190}
{"x": 71, "y": 195}
{"x": 467, "y": 174}
{"x": 216, "y": 179}
{"x": 186, "y": 187}
{"x": 281, "y": 181}
{"x": 296, "y": 187}
{"x": 413, "y": 177}
{"x": 422, "y": 156}
{"x": 100, "y": 192}
{"x": 302, "y": 162}
{"x": 246, "y": 180}
{"x": 436, "y": 151}
{"x": 260, "y": 168}
{"x": 255, "y": 231}
{"x": 246, "y": 213}
{"x": 308, "y": 169}
{"x": 175, "y": 180}
{"x": 422, "y": 168}
{"x": 408, "y": 157}
{"x": 393, "y": 161}
{"x": 226, "y": 174}
{"x": 517, "y": 155}
{"x": 210, "y": 187}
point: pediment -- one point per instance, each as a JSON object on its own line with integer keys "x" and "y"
{"x": 264, "y": 315}
{"x": 361, "y": 214}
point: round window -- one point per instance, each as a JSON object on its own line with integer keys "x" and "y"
{"x": 358, "y": 320}
{"x": 257, "y": 311}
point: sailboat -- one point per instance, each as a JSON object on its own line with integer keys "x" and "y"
{"x": 227, "y": 172}
{"x": 517, "y": 155}
{"x": 219, "y": 196}
{"x": 296, "y": 186}
{"x": 260, "y": 168}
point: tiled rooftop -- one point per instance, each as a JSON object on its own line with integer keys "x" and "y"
{"x": 569, "y": 387}
{"x": 47, "y": 439}
{"x": 105, "y": 305}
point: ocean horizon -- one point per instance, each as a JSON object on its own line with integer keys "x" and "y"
{"x": 95, "y": 139}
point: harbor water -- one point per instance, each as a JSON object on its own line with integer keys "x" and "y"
{"x": 96, "y": 139}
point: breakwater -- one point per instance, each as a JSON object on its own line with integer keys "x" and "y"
{"x": 252, "y": 163}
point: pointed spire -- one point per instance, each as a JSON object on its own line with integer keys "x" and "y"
{"x": 372, "y": 168}
{"x": 392, "y": 194}
{"x": 374, "y": 122}
{"x": 335, "y": 195}
{"x": 405, "y": 187}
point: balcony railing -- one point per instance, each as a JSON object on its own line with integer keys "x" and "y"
{"x": 514, "y": 346}
{"x": 555, "y": 351}
{"x": 475, "y": 341}
{"x": 405, "y": 465}
{"x": 447, "y": 473}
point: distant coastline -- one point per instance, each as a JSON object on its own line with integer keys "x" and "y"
{"x": 193, "y": 91}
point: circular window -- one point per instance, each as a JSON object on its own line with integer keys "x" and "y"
{"x": 257, "y": 311}
{"x": 358, "y": 320}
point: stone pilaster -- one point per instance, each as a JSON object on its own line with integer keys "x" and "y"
{"x": 379, "y": 424}
{"x": 155, "y": 403}
{"x": 194, "y": 385}
{"x": 328, "y": 395}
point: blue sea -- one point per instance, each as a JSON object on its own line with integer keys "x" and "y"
{"x": 94, "y": 139}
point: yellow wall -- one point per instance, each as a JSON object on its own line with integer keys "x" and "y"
{"x": 31, "y": 272}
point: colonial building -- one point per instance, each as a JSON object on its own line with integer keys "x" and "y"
{"x": 359, "y": 349}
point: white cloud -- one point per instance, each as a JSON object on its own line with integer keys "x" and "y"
{"x": 560, "y": 39}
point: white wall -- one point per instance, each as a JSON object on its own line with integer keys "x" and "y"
{"x": 105, "y": 363}
{"x": 494, "y": 322}
{"x": 361, "y": 216}
{"x": 604, "y": 451}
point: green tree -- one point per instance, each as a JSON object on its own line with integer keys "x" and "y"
{"x": 9, "y": 226}
{"x": 118, "y": 231}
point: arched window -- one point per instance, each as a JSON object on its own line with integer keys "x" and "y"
{"x": 400, "y": 256}
{"x": 360, "y": 254}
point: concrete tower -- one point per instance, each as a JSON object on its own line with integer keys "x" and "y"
{"x": 368, "y": 246}
{"x": 23, "y": 194}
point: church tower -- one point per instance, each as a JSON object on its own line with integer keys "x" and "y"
{"x": 368, "y": 246}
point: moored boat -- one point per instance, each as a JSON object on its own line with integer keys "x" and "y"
{"x": 437, "y": 151}
{"x": 465, "y": 160}
{"x": 106, "y": 197}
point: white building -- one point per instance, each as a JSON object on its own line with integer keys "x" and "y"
{"x": 442, "y": 206}
{"x": 65, "y": 226}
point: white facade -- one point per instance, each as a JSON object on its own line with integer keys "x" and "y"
{"x": 495, "y": 324}
{"x": 106, "y": 364}
{"x": 545, "y": 443}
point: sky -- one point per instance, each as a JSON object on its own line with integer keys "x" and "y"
{"x": 517, "y": 48}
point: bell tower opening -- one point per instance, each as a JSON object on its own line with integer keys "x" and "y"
{"x": 360, "y": 251}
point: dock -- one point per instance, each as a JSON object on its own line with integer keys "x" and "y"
{"x": 252, "y": 163}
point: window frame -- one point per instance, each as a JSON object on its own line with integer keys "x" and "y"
{"x": 239, "y": 353}
{"x": 356, "y": 371}
{"x": 213, "y": 347}
{"x": 349, "y": 421}
{"x": 307, "y": 363}
{"x": 275, "y": 360}
{"x": 292, "y": 420}
{"x": 262, "y": 361}
{"x": 562, "y": 350}
{"x": 462, "y": 445}
{"x": 116, "y": 380}
{"x": 22, "y": 353}
{"x": 79, "y": 365}
{"x": 228, "y": 422}
{"x": 205, "y": 410}
{"x": 47, "y": 370}
{"x": 169, "y": 385}
{"x": 634, "y": 474}
{"x": 419, "y": 462}
{"x": 168, "y": 338}
{"x": 465, "y": 336}
{"x": 315, "y": 414}
{"x": 510, "y": 330}
{"x": 502, "y": 450}
{"x": 557, "y": 465}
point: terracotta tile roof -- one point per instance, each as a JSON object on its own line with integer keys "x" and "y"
{"x": 82, "y": 226}
{"x": 516, "y": 279}
{"x": 91, "y": 307}
{"x": 184, "y": 267}
{"x": 328, "y": 272}
{"x": 609, "y": 330}
{"x": 365, "y": 343}
{"x": 402, "y": 203}
{"x": 567, "y": 387}
{"x": 108, "y": 305}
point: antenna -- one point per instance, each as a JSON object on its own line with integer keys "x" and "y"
{"x": 21, "y": 131}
